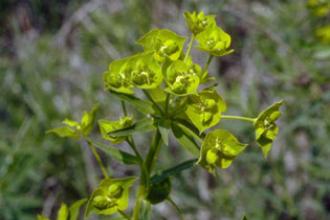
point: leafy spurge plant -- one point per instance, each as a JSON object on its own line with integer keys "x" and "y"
{"x": 178, "y": 99}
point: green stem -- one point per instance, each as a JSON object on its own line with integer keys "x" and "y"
{"x": 191, "y": 42}
{"x": 123, "y": 214}
{"x": 234, "y": 117}
{"x": 153, "y": 152}
{"x": 207, "y": 63}
{"x": 176, "y": 207}
{"x": 144, "y": 173}
{"x": 123, "y": 105}
{"x": 98, "y": 158}
{"x": 138, "y": 202}
{"x": 146, "y": 93}
{"x": 131, "y": 143}
{"x": 167, "y": 103}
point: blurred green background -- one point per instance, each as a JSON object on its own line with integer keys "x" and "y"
{"x": 53, "y": 54}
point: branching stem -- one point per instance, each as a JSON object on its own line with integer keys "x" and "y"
{"x": 209, "y": 60}
{"x": 98, "y": 158}
{"x": 241, "y": 118}
{"x": 191, "y": 42}
{"x": 146, "y": 93}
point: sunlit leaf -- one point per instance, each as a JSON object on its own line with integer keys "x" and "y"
{"x": 107, "y": 126}
{"x": 76, "y": 129}
{"x": 88, "y": 120}
{"x": 75, "y": 208}
{"x": 42, "y": 217}
{"x": 141, "y": 126}
{"x": 63, "y": 212}
{"x": 63, "y": 132}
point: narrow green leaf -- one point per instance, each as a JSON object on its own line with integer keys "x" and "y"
{"x": 119, "y": 155}
{"x": 185, "y": 140}
{"x": 142, "y": 106}
{"x": 145, "y": 210}
{"x": 189, "y": 129}
{"x": 164, "y": 129}
{"x": 173, "y": 171}
{"x": 63, "y": 132}
{"x": 75, "y": 208}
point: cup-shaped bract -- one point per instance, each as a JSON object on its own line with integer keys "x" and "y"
{"x": 106, "y": 127}
{"x": 214, "y": 41}
{"x": 180, "y": 79}
{"x": 198, "y": 22}
{"x": 111, "y": 196}
{"x": 146, "y": 71}
{"x": 204, "y": 110}
{"x": 165, "y": 44}
{"x": 219, "y": 149}
{"x": 118, "y": 76}
{"x": 266, "y": 129}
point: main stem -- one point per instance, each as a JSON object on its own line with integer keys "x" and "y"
{"x": 241, "y": 118}
{"x": 144, "y": 177}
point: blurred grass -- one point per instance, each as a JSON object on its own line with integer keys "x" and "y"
{"x": 51, "y": 64}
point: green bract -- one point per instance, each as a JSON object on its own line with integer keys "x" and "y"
{"x": 198, "y": 22}
{"x": 110, "y": 196}
{"x": 76, "y": 129}
{"x": 193, "y": 68}
{"x": 180, "y": 79}
{"x": 214, "y": 41}
{"x": 118, "y": 76}
{"x": 219, "y": 149}
{"x": 164, "y": 43}
{"x": 265, "y": 128}
{"x": 146, "y": 72}
{"x": 106, "y": 127}
{"x": 141, "y": 71}
{"x": 204, "y": 110}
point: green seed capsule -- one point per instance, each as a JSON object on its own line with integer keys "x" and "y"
{"x": 159, "y": 192}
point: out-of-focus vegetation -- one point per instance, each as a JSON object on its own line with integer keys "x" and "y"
{"x": 53, "y": 54}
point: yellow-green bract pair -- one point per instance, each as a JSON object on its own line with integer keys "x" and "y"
{"x": 211, "y": 38}
{"x": 220, "y": 147}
